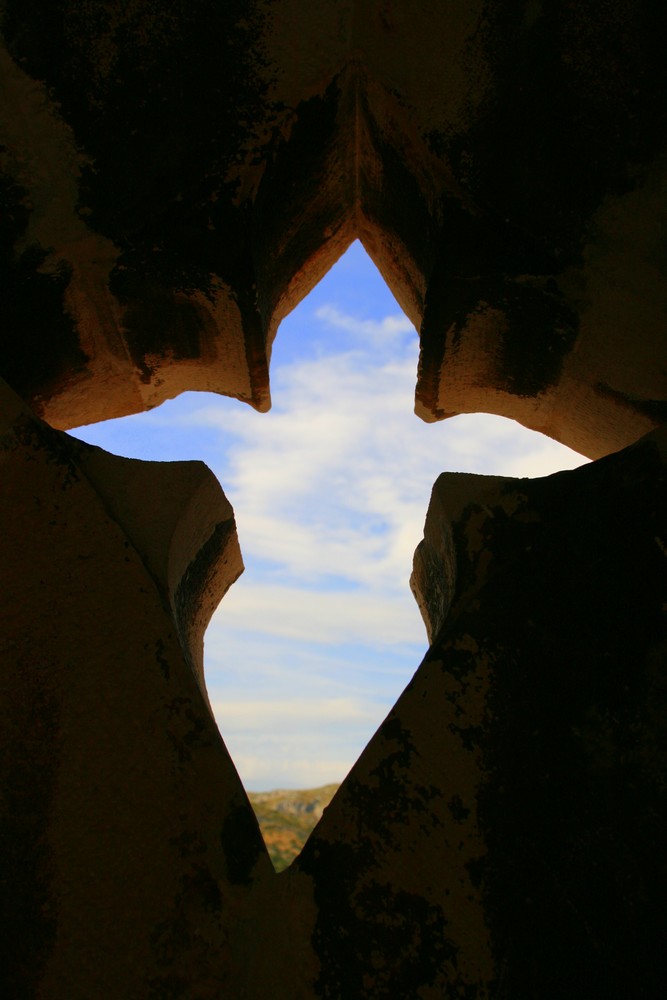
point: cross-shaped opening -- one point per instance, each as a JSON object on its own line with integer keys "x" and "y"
{"x": 311, "y": 647}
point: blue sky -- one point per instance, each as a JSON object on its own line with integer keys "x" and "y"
{"x": 313, "y": 644}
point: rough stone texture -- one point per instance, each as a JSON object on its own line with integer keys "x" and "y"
{"x": 550, "y": 670}
{"x": 121, "y": 806}
{"x": 174, "y": 178}
{"x": 177, "y": 176}
{"x": 503, "y": 834}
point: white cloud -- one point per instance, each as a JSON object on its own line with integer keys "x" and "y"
{"x": 485, "y": 443}
{"x": 324, "y": 616}
{"x": 284, "y": 713}
{"x": 382, "y": 332}
{"x": 332, "y": 480}
{"x": 296, "y": 742}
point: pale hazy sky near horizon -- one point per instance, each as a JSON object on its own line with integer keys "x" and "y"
{"x": 311, "y": 647}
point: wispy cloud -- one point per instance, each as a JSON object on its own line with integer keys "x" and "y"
{"x": 254, "y": 713}
{"x": 384, "y": 332}
{"x": 328, "y": 616}
{"x": 295, "y": 742}
{"x": 336, "y": 481}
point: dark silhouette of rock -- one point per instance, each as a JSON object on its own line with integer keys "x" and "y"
{"x": 174, "y": 179}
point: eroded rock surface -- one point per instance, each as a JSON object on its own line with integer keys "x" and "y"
{"x": 508, "y": 812}
{"x": 502, "y": 834}
{"x": 175, "y": 178}
{"x": 124, "y": 824}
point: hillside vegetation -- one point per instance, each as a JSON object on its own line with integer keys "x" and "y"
{"x": 286, "y": 818}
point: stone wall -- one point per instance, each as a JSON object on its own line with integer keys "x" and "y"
{"x": 174, "y": 179}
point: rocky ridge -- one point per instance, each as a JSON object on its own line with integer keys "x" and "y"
{"x": 286, "y": 818}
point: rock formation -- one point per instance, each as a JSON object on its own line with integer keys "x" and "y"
{"x": 286, "y": 818}
{"x": 174, "y": 179}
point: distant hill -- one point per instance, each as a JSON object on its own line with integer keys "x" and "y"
{"x": 286, "y": 817}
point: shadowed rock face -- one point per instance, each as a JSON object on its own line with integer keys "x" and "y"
{"x": 175, "y": 178}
